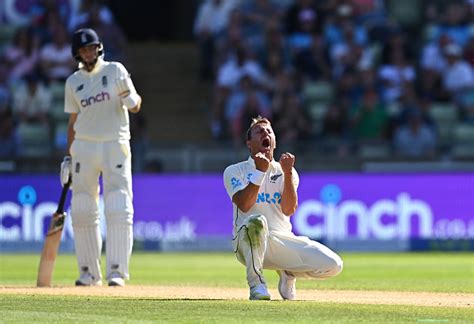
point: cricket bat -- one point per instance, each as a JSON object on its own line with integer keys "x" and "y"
{"x": 51, "y": 242}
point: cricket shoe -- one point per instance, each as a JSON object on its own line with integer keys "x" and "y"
{"x": 86, "y": 279}
{"x": 287, "y": 285}
{"x": 116, "y": 280}
{"x": 259, "y": 292}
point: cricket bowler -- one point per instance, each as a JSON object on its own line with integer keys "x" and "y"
{"x": 264, "y": 196}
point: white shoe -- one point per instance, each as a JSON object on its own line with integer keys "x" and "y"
{"x": 86, "y": 279}
{"x": 287, "y": 285}
{"x": 259, "y": 292}
{"x": 116, "y": 280}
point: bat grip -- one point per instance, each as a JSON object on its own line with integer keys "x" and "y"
{"x": 62, "y": 199}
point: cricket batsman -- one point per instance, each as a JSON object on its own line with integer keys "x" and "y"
{"x": 264, "y": 196}
{"x": 98, "y": 98}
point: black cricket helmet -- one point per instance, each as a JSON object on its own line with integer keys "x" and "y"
{"x": 85, "y": 37}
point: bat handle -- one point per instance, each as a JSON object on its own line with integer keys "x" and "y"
{"x": 62, "y": 199}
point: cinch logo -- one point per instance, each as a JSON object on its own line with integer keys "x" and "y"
{"x": 264, "y": 197}
{"x": 28, "y": 220}
{"x": 403, "y": 217}
{"x": 94, "y": 99}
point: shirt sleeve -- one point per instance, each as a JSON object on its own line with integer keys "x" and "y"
{"x": 296, "y": 179}
{"x": 70, "y": 105}
{"x": 234, "y": 180}
{"x": 123, "y": 73}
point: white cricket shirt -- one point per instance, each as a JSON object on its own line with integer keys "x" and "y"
{"x": 94, "y": 97}
{"x": 268, "y": 203}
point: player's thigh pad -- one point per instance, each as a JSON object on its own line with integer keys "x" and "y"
{"x": 84, "y": 210}
{"x": 256, "y": 228}
{"x": 118, "y": 207}
{"x": 250, "y": 234}
{"x": 118, "y": 167}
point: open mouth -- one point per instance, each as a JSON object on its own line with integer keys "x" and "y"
{"x": 266, "y": 142}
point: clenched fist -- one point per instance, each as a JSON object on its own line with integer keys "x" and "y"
{"x": 261, "y": 162}
{"x": 287, "y": 161}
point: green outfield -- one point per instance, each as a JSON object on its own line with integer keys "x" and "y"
{"x": 211, "y": 287}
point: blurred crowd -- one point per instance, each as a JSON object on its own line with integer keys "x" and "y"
{"x": 340, "y": 73}
{"x": 35, "y": 60}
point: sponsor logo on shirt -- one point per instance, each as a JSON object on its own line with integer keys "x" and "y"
{"x": 95, "y": 99}
{"x": 235, "y": 183}
{"x": 266, "y": 198}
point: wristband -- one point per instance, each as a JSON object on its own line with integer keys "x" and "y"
{"x": 131, "y": 101}
{"x": 257, "y": 177}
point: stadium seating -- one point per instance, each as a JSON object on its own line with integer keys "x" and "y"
{"x": 445, "y": 116}
{"x": 33, "y": 140}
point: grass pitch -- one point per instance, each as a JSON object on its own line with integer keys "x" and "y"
{"x": 417, "y": 272}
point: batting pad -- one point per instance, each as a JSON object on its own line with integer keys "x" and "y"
{"x": 88, "y": 243}
{"x": 119, "y": 217}
{"x": 87, "y": 238}
{"x": 119, "y": 248}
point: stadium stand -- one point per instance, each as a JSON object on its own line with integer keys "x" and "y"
{"x": 328, "y": 54}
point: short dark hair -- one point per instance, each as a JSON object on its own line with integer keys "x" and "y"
{"x": 256, "y": 120}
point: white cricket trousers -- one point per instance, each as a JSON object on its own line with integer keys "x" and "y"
{"x": 257, "y": 248}
{"x": 113, "y": 160}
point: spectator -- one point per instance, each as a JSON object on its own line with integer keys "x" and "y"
{"x": 257, "y": 16}
{"x": 335, "y": 129}
{"x": 274, "y": 48}
{"x": 83, "y": 15}
{"x": 55, "y": 58}
{"x": 228, "y": 77}
{"x": 301, "y": 38}
{"x": 294, "y": 15}
{"x": 239, "y": 95}
{"x": 369, "y": 120}
{"x": 458, "y": 76}
{"x": 334, "y": 29}
{"x": 348, "y": 54}
{"x": 228, "y": 41}
{"x": 22, "y": 54}
{"x": 211, "y": 20}
{"x": 31, "y": 101}
{"x": 416, "y": 138}
{"x": 409, "y": 104}
{"x": 372, "y": 15}
{"x": 433, "y": 63}
{"x": 46, "y": 17}
{"x": 395, "y": 76}
{"x": 291, "y": 121}
{"x": 396, "y": 41}
{"x": 252, "y": 106}
{"x": 454, "y": 24}
{"x": 348, "y": 89}
{"x": 112, "y": 36}
{"x": 313, "y": 63}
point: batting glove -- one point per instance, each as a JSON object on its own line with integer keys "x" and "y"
{"x": 66, "y": 170}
